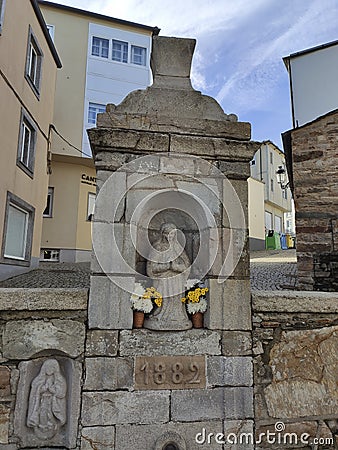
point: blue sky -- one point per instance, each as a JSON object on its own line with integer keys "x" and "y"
{"x": 240, "y": 45}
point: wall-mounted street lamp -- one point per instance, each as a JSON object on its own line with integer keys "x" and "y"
{"x": 281, "y": 177}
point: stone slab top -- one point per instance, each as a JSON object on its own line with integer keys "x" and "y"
{"x": 295, "y": 301}
{"x": 23, "y": 299}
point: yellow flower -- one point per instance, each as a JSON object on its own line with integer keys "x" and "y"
{"x": 158, "y": 301}
{"x": 183, "y": 299}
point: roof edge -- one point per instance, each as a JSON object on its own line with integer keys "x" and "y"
{"x": 155, "y": 30}
{"x": 317, "y": 119}
{"x": 268, "y": 141}
{"x": 44, "y": 28}
{"x": 310, "y": 50}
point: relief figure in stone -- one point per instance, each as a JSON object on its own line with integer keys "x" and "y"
{"x": 169, "y": 267}
{"x": 47, "y": 401}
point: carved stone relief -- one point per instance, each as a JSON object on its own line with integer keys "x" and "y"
{"x": 47, "y": 409}
{"x": 48, "y": 402}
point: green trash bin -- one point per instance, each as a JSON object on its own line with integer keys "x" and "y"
{"x": 272, "y": 241}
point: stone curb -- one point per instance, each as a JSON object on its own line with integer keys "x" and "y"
{"x": 295, "y": 301}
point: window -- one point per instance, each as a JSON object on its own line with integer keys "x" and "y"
{"x": 48, "y": 212}
{"x": 33, "y": 63}
{"x": 271, "y": 158}
{"x": 285, "y": 194}
{"x": 138, "y": 55}
{"x": 278, "y": 224}
{"x": 120, "y": 51}
{"x": 51, "y": 30}
{"x": 90, "y": 205}
{"x": 271, "y": 184}
{"x": 18, "y": 231}
{"x": 93, "y": 110}
{"x": 2, "y": 13}
{"x": 50, "y": 255}
{"x": 26, "y": 147}
{"x": 268, "y": 220}
{"x": 100, "y": 47}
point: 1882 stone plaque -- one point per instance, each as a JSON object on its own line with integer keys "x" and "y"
{"x": 170, "y": 372}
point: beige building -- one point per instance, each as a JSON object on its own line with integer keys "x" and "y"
{"x": 277, "y": 200}
{"x": 256, "y": 214}
{"x": 112, "y": 59}
{"x": 29, "y": 63}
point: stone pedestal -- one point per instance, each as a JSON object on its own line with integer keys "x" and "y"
{"x": 169, "y": 154}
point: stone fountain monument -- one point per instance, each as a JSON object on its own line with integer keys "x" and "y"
{"x": 171, "y": 213}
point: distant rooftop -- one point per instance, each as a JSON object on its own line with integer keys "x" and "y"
{"x": 155, "y": 30}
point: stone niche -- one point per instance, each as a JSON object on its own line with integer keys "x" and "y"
{"x": 168, "y": 155}
{"x": 48, "y": 403}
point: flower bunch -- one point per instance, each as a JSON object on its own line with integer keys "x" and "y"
{"x": 195, "y": 298}
{"x": 144, "y": 300}
{"x": 156, "y": 297}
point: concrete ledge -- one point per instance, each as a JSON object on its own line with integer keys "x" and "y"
{"x": 295, "y": 301}
{"x": 23, "y": 299}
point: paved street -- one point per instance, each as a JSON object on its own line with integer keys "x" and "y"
{"x": 273, "y": 270}
{"x": 270, "y": 270}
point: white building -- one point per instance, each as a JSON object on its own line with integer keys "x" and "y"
{"x": 313, "y": 77}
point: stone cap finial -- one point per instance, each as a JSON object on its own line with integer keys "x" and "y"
{"x": 171, "y": 61}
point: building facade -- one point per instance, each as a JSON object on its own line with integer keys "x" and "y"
{"x": 277, "y": 201}
{"x": 27, "y": 86}
{"x": 112, "y": 59}
{"x": 313, "y": 77}
{"x": 311, "y": 152}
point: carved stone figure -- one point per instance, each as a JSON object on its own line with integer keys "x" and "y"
{"x": 169, "y": 267}
{"x": 47, "y": 401}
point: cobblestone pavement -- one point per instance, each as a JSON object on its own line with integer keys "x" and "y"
{"x": 273, "y": 270}
{"x": 52, "y": 275}
{"x": 270, "y": 270}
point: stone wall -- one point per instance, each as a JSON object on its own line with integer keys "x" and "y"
{"x": 40, "y": 326}
{"x": 315, "y": 180}
{"x": 295, "y": 347}
{"x": 295, "y": 342}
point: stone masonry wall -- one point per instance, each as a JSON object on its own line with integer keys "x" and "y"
{"x": 38, "y": 325}
{"x": 295, "y": 337}
{"x": 295, "y": 347}
{"x": 315, "y": 174}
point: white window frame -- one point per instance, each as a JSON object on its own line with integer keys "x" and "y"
{"x": 123, "y": 57}
{"x": 268, "y": 218}
{"x": 279, "y": 221}
{"x": 2, "y": 14}
{"x": 143, "y": 56}
{"x": 49, "y": 204}
{"x": 27, "y": 144}
{"x": 90, "y": 206}
{"x": 34, "y": 59}
{"x": 100, "y": 47}
{"x": 20, "y": 205}
{"x": 54, "y": 253}
{"x": 24, "y": 244}
{"x": 95, "y": 108}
